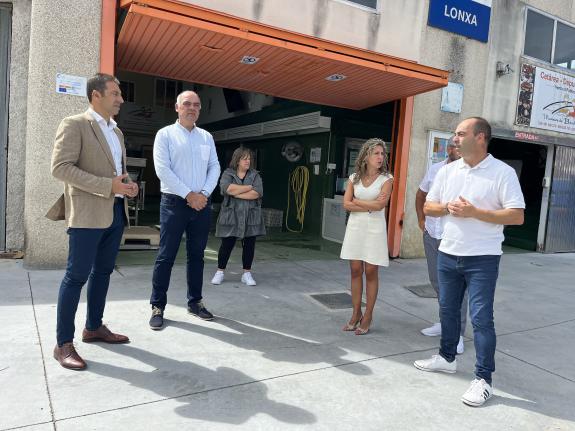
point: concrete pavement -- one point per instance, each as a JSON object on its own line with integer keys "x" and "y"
{"x": 276, "y": 359}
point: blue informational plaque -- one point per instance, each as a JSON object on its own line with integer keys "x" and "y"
{"x": 466, "y": 17}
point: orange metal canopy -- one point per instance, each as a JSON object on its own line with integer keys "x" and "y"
{"x": 181, "y": 41}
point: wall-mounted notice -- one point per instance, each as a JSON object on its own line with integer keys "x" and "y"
{"x": 71, "y": 85}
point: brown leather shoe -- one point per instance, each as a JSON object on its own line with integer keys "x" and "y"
{"x": 103, "y": 334}
{"x": 68, "y": 357}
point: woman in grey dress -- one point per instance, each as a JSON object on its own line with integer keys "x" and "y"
{"x": 240, "y": 215}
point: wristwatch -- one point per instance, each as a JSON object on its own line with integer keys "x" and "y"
{"x": 205, "y": 193}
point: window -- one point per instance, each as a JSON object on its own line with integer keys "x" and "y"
{"x": 550, "y": 40}
{"x": 166, "y": 92}
{"x": 371, "y": 4}
{"x": 127, "y": 89}
{"x": 565, "y": 46}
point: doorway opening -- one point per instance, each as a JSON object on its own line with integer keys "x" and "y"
{"x": 529, "y": 161}
{"x": 284, "y": 134}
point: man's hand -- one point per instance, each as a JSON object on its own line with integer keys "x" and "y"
{"x": 121, "y": 188}
{"x": 461, "y": 208}
{"x": 421, "y": 224}
{"x": 134, "y": 192}
{"x": 196, "y": 201}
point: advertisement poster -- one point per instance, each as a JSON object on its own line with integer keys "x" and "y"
{"x": 552, "y": 103}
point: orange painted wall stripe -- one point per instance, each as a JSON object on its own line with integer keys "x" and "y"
{"x": 107, "y": 35}
{"x": 397, "y": 208}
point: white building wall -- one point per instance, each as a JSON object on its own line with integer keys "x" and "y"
{"x": 473, "y": 64}
{"x": 59, "y": 42}
{"x": 394, "y": 30}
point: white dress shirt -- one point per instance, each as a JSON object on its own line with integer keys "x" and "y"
{"x": 186, "y": 161}
{"x": 490, "y": 185}
{"x": 433, "y": 225}
{"x": 111, "y": 139}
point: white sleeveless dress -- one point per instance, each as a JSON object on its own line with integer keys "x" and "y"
{"x": 366, "y": 232}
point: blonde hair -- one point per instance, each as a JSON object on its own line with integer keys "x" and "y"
{"x": 361, "y": 162}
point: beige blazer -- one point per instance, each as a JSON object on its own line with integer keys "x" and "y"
{"x": 83, "y": 161}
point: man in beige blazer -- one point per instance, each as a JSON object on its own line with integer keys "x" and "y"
{"x": 90, "y": 158}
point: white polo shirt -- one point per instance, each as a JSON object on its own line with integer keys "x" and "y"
{"x": 490, "y": 185}
{"x": 433, "y": 225}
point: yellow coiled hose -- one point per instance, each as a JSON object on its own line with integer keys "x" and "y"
{"x": 298, "y": 183}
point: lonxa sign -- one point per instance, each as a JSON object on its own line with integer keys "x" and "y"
{"x": 466, "y": 17}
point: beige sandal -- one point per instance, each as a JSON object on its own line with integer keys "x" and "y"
{"x": 351, "y": 326}
{"x": 360, "y": 330}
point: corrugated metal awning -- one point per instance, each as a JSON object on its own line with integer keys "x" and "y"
{"x": 185, "y": 42}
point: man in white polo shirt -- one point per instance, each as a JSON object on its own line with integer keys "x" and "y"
{"x": 432, "y": 229}
{"x": 475, "y": 197}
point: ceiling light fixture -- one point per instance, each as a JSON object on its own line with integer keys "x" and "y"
{"x": 249, "y": 59}
{"x": 336, "y": 77}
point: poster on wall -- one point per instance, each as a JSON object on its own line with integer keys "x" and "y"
{"x": 525, "y": 102}
{"x": 437, "y": 146}
{"x": 546, "y": 100}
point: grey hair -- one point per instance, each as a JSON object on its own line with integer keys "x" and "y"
{"x": 179, "y": 98}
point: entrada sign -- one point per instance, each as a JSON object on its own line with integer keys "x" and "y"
{"x": 466, "y": 17}
{"x": 526, "y": 136}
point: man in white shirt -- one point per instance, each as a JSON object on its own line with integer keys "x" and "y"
{"x": 432, "y": 229}
{"x": 187, "y": 165}
{"x": 475, "y": 197}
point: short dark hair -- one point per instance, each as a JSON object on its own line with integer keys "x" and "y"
{"x": 481, "y": 125}
{"x": 98, "y": 82}
{"x": 241, "y": 153}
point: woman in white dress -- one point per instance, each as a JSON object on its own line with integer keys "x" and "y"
{"x": 365, "y": 242}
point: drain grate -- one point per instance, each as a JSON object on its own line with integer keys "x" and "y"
{"x": 422, "y": 290}
{"x": 334, "y": 301}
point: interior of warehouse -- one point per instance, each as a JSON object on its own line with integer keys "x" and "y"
{"x": 304, "y": 152}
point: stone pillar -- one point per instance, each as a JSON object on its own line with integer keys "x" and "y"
{"x": 64, "y": 38}
{"x": 21, "y": 10}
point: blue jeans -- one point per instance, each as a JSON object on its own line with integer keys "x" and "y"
{"x": 91, "y": 257}
{"x": 479, "y": 274}
{"x": 431, "y": 247}
{"x": 176, "y": 217}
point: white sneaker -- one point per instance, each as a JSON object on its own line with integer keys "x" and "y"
{"x": 248, "y": 279}
{"x": 479, "y": 392}
{"x": 460, "y": 346}
{"x": 432, "y": 331}
{"x": 436, "y": 363}
{"x": 218, "y": 277}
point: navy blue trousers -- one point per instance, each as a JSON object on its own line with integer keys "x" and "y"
{"x": 91, "y": 257}
{"x": 176, "y": 217}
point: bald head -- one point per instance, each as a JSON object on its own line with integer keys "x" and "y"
{"x": 188, "y": 107}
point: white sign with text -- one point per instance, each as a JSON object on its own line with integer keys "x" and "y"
{"x": 553, "y": 102}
